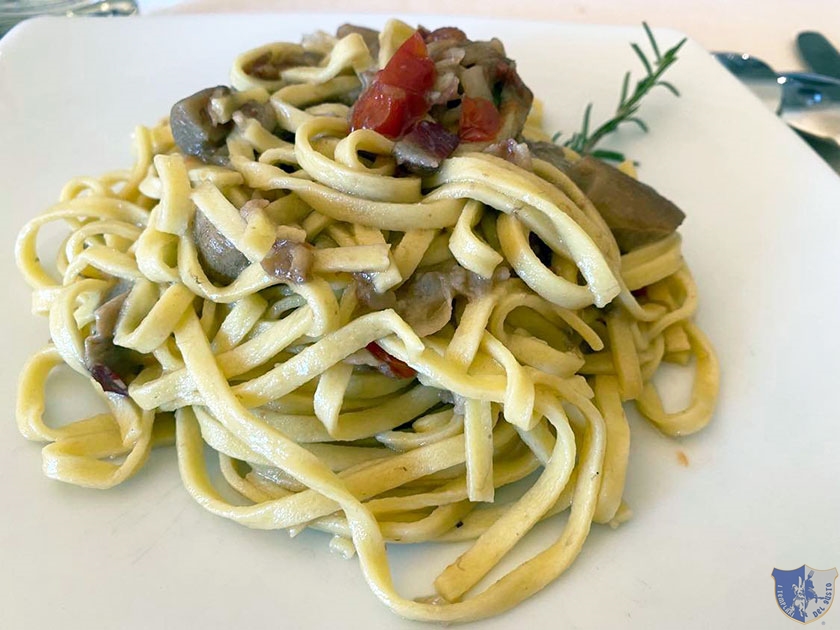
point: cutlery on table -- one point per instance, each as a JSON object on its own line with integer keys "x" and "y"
{"x": 808, "y": 103}
{"x": 760, "y": 78}
{"x": 819, "y": 53}
{"x": 14, "y": 11}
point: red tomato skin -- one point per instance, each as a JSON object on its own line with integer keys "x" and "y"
{"x": 480, "y": 120}
{"x": 410, "y": 68}
{"x": 394, "y": 367}
{"x": 396, "y": 99}
{"x": 386, "y": 109}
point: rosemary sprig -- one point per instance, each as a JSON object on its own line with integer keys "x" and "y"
{"x": 628, "y": 104}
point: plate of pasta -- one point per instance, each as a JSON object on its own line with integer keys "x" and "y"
{"x": 349, "y": 288}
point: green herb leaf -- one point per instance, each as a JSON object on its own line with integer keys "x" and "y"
{"x": 625, "y": 85}
{"x": 652, "y": 41}
{"x": 586, "y": 116}
{"x": 640, "y": 123}
{"x": 605, "y": 154}
{"x": 669, "y": 86}
{"x": 583, "y": 142}
{"x": 642, "y": 58}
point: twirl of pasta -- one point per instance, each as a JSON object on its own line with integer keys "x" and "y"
{"x": 375, "y": 335}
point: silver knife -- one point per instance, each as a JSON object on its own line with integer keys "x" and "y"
{"x": 819, "y": 53}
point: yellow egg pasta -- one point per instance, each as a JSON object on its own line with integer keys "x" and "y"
{"x": 392, "y": 348}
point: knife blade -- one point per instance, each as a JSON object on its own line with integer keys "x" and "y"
{"x": 819, "y": 53}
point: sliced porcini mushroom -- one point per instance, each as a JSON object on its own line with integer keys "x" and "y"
{"x": 289, "y": 260}
{"x": 221, "y": 261}
{"x": 369, "y": 298}
{"x": 263, "y": 113}
{"x": 194, "y": 129}
{"x": 443, "y": 34}
{"x": 425, "y": 301}
{"x": 551, "y": 153}
{"x": 635, "y": 213}
{"x": 110, "y": 365}
{"x": 472, "y": 285}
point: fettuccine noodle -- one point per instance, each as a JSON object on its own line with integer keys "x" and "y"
{"x": 528, "y": 373}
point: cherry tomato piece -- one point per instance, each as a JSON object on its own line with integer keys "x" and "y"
{"x": 394, "y": 367}
{"x": 396, "y": 99}
{"x": 480, "y": 120}
{"x": 387, "y": 110}
{"x": 410, "y": 68}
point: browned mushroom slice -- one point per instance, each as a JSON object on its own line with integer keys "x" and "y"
{"x": 444, "y": 33}
{"x": 551, "y": 153}
{"x": 194, "y": 130}
{"x": 110, "y": 365}
{"x": 635, "y": 213}
{"x": 263, "y": 113}
{"x": 425, "y": 300}
{"x": 289, "y": 260}
{"x": 221, "y": 261}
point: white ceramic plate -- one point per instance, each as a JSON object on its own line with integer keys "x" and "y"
{"x": 761, "y": 488}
